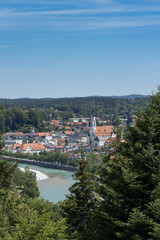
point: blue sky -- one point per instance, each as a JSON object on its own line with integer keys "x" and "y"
{"x": 67, "y": 48}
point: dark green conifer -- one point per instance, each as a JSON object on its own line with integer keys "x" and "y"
{"x": 80, "y": 203}
{"x": 130, "y": 182}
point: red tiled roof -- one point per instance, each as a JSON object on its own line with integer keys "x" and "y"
{"x": 78, "y": 123}
{"x": 104, "y": 130}
{"x": 67, "y": 128}
{"x": 33, "y": 146}
{"x": 68, "y": 132}
{"x": 53, "y": 122}
{"x": 103, "y": 134}
{"x": 42, "y": 134}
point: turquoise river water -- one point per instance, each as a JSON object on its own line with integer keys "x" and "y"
{"x": 55, "y": 188}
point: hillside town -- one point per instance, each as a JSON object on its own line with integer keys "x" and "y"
{"x": 76, "y": 134}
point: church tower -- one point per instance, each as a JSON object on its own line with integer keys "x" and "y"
{"x": 92, "y": 127}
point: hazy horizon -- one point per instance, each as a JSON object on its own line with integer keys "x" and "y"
{"x": 116, "y": 96}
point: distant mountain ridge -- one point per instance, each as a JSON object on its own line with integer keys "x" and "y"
{"x": 80, "y": 105}
{"x": 131, "y": 96}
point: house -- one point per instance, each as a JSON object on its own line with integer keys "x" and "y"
{"x": 73, "y": 141}
{"x": 83, "y": 135}
{"x": 68, "y": 133}
{"x": 78, "y": 119}
{"x": 45, "y": 136}
{"x": 54, "y": 122}
{"x": 99, "y": 141}
{"x": 12, "y": 139}
{"x": 61, "y": 141}
{"x": 29, "y": 148}
{"x": 15, "y": 148}
{"x": 67, "y": 128}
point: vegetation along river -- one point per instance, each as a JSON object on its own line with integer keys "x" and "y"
{"x": 55, "y": 187}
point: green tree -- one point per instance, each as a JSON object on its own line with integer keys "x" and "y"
{"x": 2, "y": 122}
{"x": 79, "y": 205}
{"x": 94, "y": 161}
{"x": 130, "y": 182}
{"x": 1, "y": 142}
{"x": 30, "y": 185}
{"x": 30, "y": 219}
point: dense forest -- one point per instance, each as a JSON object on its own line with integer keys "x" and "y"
{"x": 119, "y": 199}
{"x": 22, "y": 114}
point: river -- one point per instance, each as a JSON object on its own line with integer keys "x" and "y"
{"x": 54, "y": 188}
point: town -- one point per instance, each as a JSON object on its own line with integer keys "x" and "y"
{"x": 71, "y": 138}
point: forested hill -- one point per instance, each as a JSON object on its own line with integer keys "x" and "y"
{"x": 80, "y": 105}
{"x": 22, "y": 114}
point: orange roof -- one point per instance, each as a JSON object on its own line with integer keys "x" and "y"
{"x": 42, "y": 134}
{"x": 79, "y": 123}
{"x": 53, "y": 122}
{"x": 33, "y": 146}
{"x": 107, "y": 128}
{"x": 69, "y": 123}
{"x": 104, "y": 130}
{"x": 103, "y": 134}
{"x": 68, "y": 132}
{"x": 66, "y": 127}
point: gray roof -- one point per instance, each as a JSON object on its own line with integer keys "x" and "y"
{"x": 101, "y": 138}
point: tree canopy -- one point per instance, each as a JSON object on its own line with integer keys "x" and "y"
{"x": 130, "y": 181}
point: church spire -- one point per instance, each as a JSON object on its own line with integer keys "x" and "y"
{"x": 92, "y": 126}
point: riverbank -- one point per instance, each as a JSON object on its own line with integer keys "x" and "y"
{"x": 40, "y": 163}
{"x": 39, "y": 175}
{"x": 55, "y": 187}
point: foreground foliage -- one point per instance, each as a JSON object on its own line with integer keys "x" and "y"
{"x": 26, "y": 218}
{"x": 79, "y": 206}
{"x": 127, "y": 187}
{"x": 130, "y": 182}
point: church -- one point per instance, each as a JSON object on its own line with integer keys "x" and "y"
{"x": 98, "y": 135}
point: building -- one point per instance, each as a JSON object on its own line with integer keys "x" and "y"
{"x": 28, "y": 148}
{"x": 99, "y": 134}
